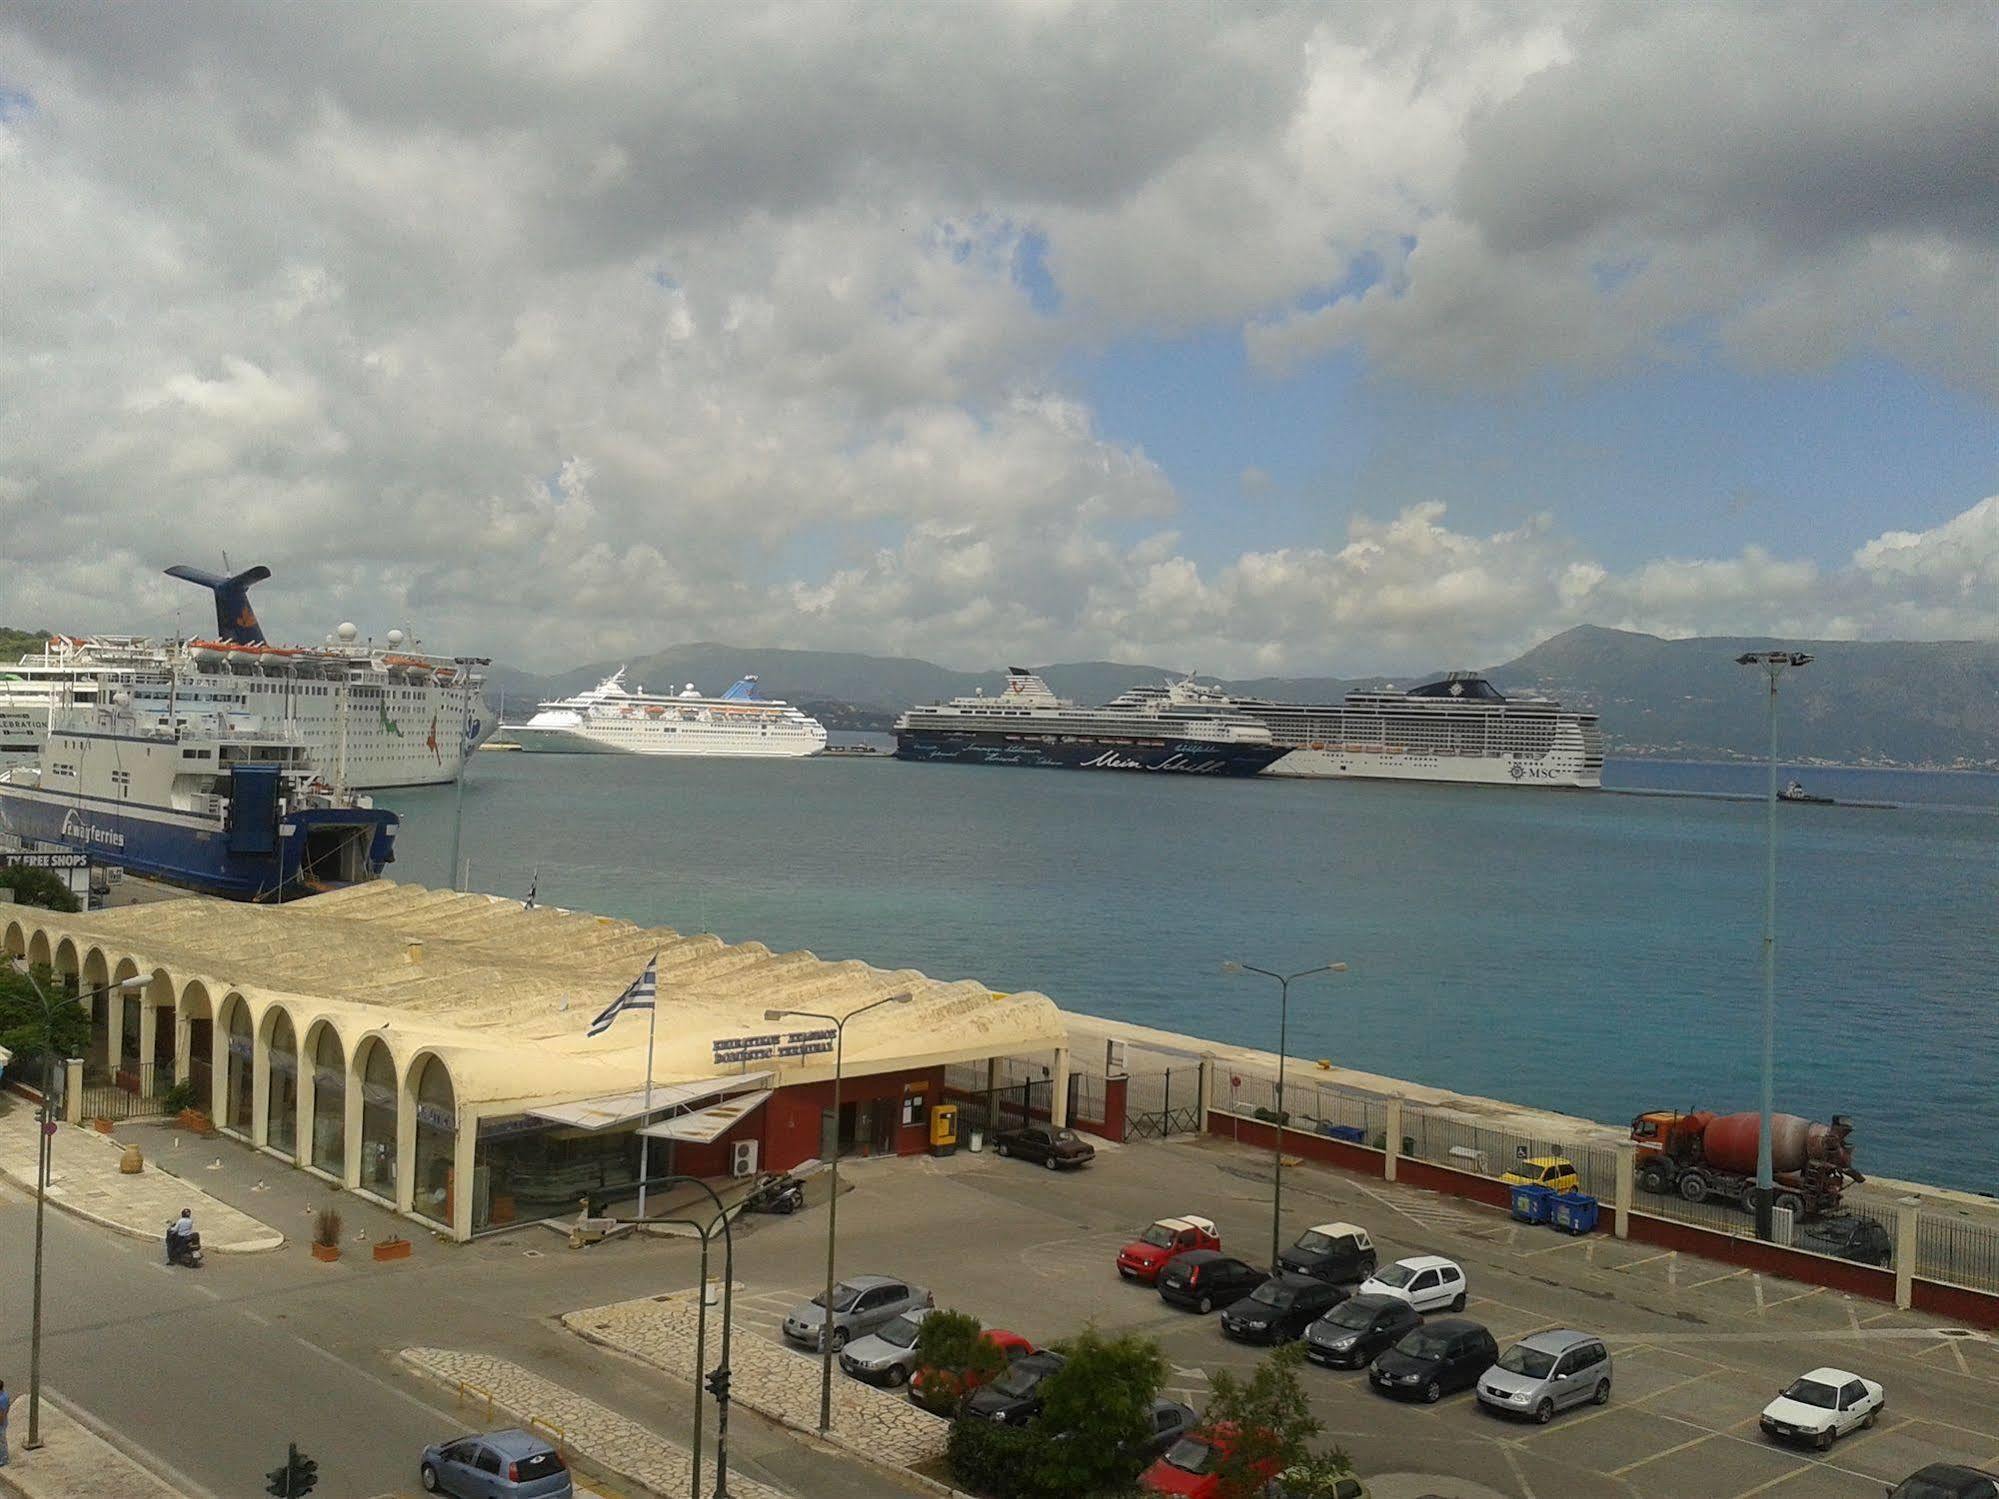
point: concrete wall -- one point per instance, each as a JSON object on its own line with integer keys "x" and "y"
{"x": 790, "y": 1130}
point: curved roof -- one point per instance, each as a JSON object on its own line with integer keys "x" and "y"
{"x": 506, "y": 994}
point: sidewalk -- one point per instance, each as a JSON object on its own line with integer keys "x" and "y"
{"x": 84, "y": 1179}
{"x": 72, "y": 1462}
{"x": 769, "y": 1379}
{"x": 579, "y": 1426}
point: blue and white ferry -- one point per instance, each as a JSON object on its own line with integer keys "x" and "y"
{"x": 212, "y": 800}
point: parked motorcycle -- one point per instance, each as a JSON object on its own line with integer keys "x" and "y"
{"x": 184, "y": 1249}
{"x": 775, "y": 1192}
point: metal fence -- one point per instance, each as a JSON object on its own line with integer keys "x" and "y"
{"x": 1158, "y": 1104}
{"x": 1954, "y": 1249}
{"x": 109, "y": 1101}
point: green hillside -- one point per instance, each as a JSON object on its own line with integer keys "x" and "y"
{"x": 16, "y": 643}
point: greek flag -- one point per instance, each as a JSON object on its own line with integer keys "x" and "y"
{"x": 638, "y": 996}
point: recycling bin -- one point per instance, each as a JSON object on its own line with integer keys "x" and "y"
{"x": 1574, "y": 1212}
{"x": 1531, "y": 1202}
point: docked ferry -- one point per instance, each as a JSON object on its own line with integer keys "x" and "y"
{"x": 1461, "y": 729}
{"x": 1167, "y": 729}
{"x": 208, "y": 799}
{"x": 379, "y": 716}
{"x": 613, "y": 719}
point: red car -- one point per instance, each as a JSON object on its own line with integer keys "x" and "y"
{"x": 1188, "y": 1468}
{"x": 1146, "y": 1256}
{"x": 940, "y": 1390}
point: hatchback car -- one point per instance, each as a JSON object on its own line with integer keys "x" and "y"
{"x": 1339, "y": 1252}
{"x": 1206, "y": 1279}
{"x": 1427, "y": 1282}
{"x": 511, "y": 1464}
{"x": 1947, "y": 1481}
{"x": 1545, "y": 1373}
{"x": 1014, "y": 1398}
{"x": 939, "y": 1390}
{"x": 1189, "y": 1467}
{"x": 1849, "y": 1236}
{"x": 1143, "y": 1258}
{"x": 1556, "y": 1173}
{"x": 1432, "y": 1361}
{"x": 1052, "y": 1147}
{"x": 1821, "y": 1406}
{"x": 1280, "y": 1309}
{"x": 861, "y": 1303}
{"x": 1352, "y": 1333}
{"x": 886, "y": 1356}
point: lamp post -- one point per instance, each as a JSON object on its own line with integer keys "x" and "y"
{"x": 1773, "y": 664}
{"x": 839, "y": 1024}
{"x": 1284, "y": 983}
{"x": 44, "y": 1163}
{"x": 718, "y": 1382}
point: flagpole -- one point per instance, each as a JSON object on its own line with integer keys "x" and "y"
{"x": 645, "y": 1140}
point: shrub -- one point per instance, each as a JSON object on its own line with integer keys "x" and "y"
{"x": 997, "y": 1461}
{"x": 1097, "y": 1412}
{"x": 326, "y": 1228}
{"x": 955, "y": 1343}
{"x": 38, "y": 887}
{"x": 185, "y": 1094}
{"x": 1271, "y": 1417}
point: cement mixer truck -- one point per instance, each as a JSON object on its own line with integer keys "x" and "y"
{"x": 1712, "y": 1157}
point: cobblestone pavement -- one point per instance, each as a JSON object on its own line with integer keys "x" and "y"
{"x": 85, "y": 1180}
{"x": 598, "y": 1434}
{"x": 72, "y": 1462}
{"x": 769, "y": 1378}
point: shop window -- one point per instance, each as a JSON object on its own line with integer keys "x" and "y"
{"x": 913, "y": 1111}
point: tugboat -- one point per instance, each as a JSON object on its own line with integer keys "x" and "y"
{"x": 1795, "y": 792}
{"x": 210, "y": 800}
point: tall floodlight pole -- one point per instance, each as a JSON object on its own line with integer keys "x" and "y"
{"x": 45, "y": 1126}
{"x": 1284, "y": 983}
{"x": 1773, "y": 665}
{"x": 839, "y": 1024}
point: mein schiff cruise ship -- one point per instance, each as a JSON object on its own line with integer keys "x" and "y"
{"x": 368, "y": 716}
{"x": 1147, "y": 728}
{"x": 1461, "y": 729}
{"x": 612, "y": 719}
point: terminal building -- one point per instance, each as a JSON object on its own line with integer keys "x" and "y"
{"x": 430, "y": 1050}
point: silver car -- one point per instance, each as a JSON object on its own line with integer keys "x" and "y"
{"x": 1547, "y": 1372}
{"x": 888, "y": 1355}
{"x": 861, "y": 1303}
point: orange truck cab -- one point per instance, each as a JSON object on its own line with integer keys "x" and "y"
{"x": 1143, "y": 1258}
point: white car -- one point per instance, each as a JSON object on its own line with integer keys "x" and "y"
{"x": 1427, "y": 1282}
{"x": 1822, "y": 1405}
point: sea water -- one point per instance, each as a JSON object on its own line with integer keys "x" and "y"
{"x": 1588, "y": 952}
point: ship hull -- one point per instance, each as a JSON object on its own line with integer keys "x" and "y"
{"x": 309, "y": 851}
{"x": 1166, "y": 757}
{"x": 1558, "y": 769}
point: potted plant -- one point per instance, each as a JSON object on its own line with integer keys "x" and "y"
{"x": 184, "y": 1101}
{"x": 392, "y": 1249}
{"x": 326, "y": 1235}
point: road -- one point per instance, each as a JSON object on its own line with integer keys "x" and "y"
{"x": 212, "y": 1372}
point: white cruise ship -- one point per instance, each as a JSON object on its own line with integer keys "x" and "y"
{"x": 370, "y": 716}
{"x": 613, "y": 719}
{"x": 1461, "y": 729}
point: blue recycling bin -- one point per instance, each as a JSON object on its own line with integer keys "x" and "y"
{"x": 1353, "y": 1134}
{"x": 1574, "y": 1212}
{"x": 1530, "y": 1202}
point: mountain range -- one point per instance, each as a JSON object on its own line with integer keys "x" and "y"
{"x": 1859, "y": 702}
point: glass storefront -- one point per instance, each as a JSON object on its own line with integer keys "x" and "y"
{"x": 281, "y": 1110}
{"x": 240, "y": 1102}
{"x": 528, "y": 1170}
{"x": 436, "y": 1140}
{"x": 378, "y": 1121}
{"x": 329, "y": 1103}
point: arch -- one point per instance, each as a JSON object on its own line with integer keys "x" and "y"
{"x": 277, "y": 1038}
{"x": 14, "y": 940}
{"x": 40, "y": 953}
{"x": 433, "y": 1100}
{"x": 323, "y": 1096}
{"x": 371, "y": 1078}
{"x": 68, "y": 957}
{"x": 236, "y": 1082}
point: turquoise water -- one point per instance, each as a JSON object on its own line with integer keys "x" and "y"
{"x": 1598, "y": 954}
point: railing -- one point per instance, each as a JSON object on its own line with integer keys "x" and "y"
{"x": 1159, "y": 1104}
{"x": 1956, "y": 1250}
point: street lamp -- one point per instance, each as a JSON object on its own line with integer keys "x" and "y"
{"x": 839, "y": 1024}
{"x": 716, "y": 1383}
{"x": 44, "y": 1151}
{"x": 1284, "y": 983}
{"x": 1773, "y": 664}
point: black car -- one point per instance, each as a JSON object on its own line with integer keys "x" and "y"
{"x": 1051, "y": 1146}
{"x": 1014, "y": 1397}
{"x": 1338, "y": 1252}
{"x": 1206, "y": 1279}
{"x": 1849, "y": 1236}
{"x": 1281, "y": 1309}
{"x": 1166, "y": 1423}
{"x": 1354, "y": 1332}
{"x": 1448, "y": 1354}
{"x": 1947, "y": 1481}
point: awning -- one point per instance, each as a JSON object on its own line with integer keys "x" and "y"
{"x": 706, "y": 1126}
{"x": 621, "y": 1108}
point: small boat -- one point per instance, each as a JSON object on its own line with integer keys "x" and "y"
{"x": 1795, "y": 792}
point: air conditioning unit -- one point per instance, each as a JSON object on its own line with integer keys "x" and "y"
{"x": 743, "y": 1158}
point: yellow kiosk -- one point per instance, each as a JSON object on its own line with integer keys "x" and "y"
{"x": 944, "y": 1129}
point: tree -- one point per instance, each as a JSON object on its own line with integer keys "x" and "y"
{"x": 31, "y": 1033}
{"x": 1096, "y": 1413}
{"x": 1270, "y": 1420}
{"x": 952, "y": 1348}
{"x": 39, "y": 887}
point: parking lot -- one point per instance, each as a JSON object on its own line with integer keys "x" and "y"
{"x": 1698, "y": 1347}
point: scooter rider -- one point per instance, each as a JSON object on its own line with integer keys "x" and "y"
{"x": 180, "y": 1233}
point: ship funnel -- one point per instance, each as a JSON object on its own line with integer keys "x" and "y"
{"x": 235, "y": 621}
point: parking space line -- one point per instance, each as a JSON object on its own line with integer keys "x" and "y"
{"x": 1695, "y": 1285}
{"x": 1787, "y": 1300}
{"x": 1568, "y": 1243}
{"x": 1664, "y": 1254}
{"x": 1705, "y": 1436}
{"x": 1519, "y": 1477}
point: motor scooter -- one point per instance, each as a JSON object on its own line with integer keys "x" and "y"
{"x": 184, "y": 1249}
{"x": 775, "y": 1192}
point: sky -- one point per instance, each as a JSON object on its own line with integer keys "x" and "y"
{"x": 1253, "y": 339}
